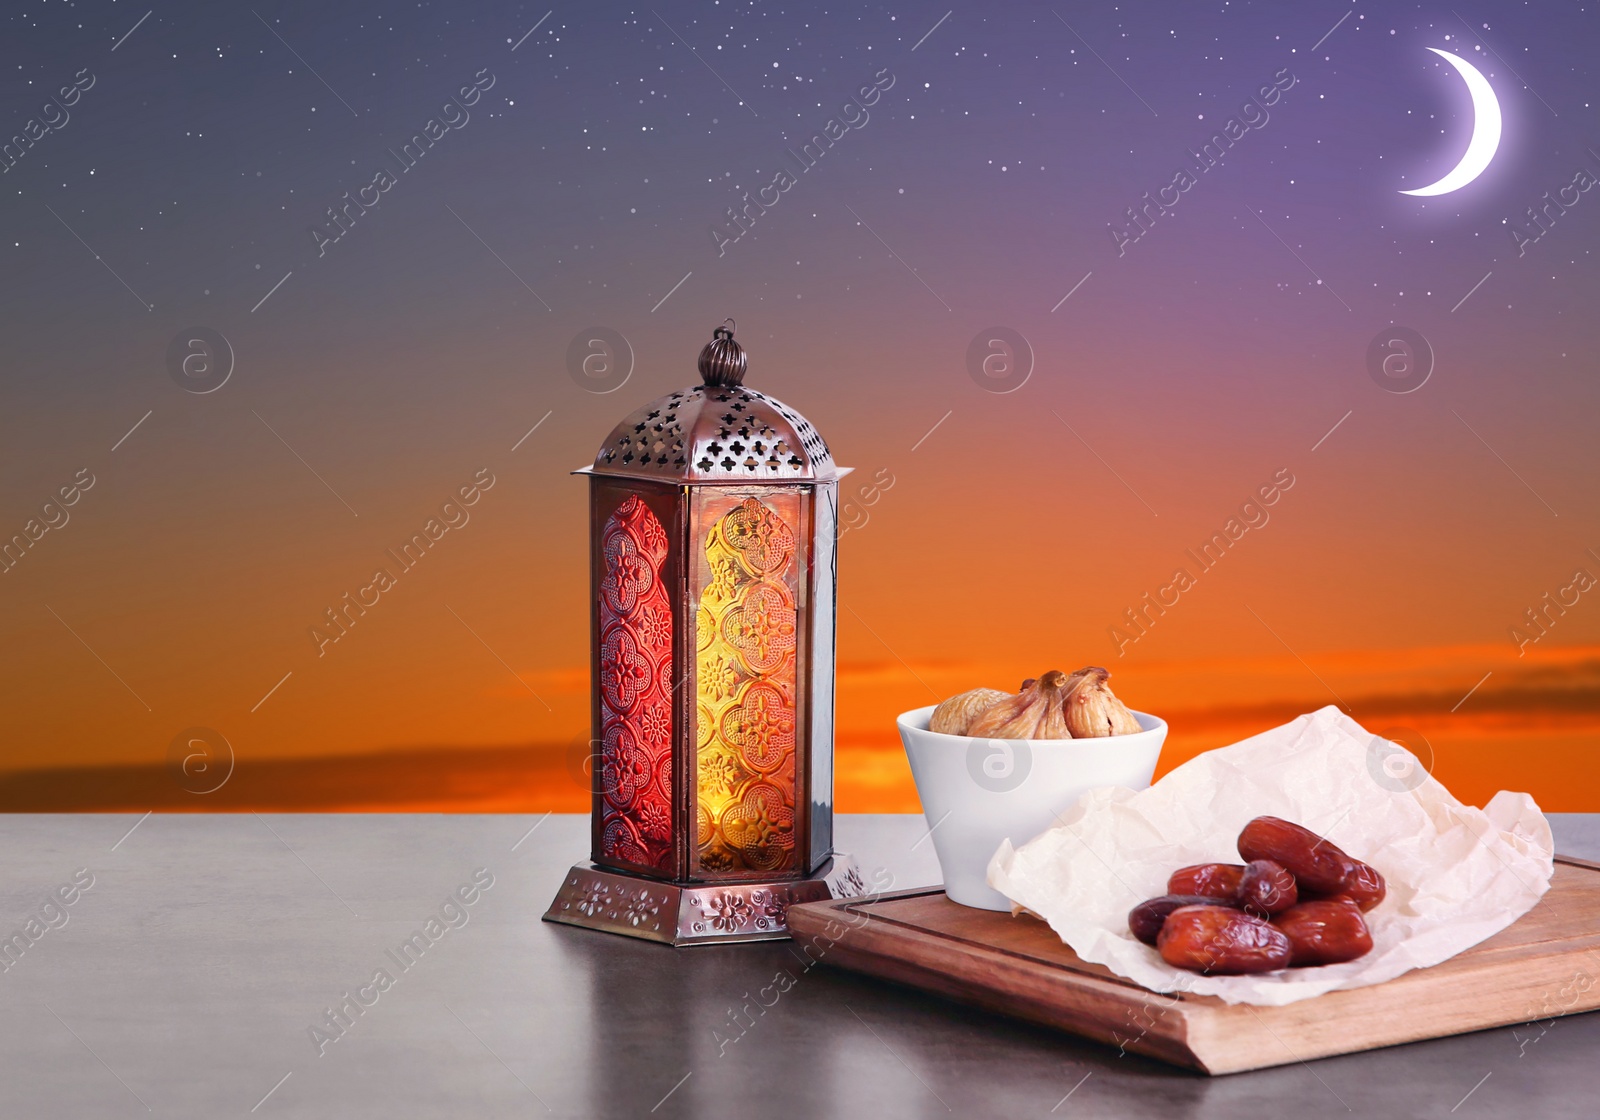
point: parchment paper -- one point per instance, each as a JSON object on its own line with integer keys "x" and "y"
{"x": 1455, "y": 874}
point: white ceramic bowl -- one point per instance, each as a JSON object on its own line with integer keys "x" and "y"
{"x": 978, "y": 792}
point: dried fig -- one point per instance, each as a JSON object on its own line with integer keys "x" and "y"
{"x": 954, "y": 715}
{"x": 1212, "y": 880}
{"x": 1146, "y": 919}
{"x": 1221, "y": 941}
{"x": 1033, "y": 713}
{"x": 1092, "y": 709}
{"x": 1326, "y": 931}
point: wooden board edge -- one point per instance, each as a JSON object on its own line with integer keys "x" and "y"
{"x": 915, "y": 960}
{"x": 1513, "y": 984}
{"x": 811, "y": 926}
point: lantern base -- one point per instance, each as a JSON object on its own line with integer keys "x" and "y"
{"x": 694, "y": 914}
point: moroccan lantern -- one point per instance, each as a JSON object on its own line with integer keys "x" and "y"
{"x": 713, "y": 532}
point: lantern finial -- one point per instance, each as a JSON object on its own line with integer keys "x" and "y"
{"x": 722, "y": 361}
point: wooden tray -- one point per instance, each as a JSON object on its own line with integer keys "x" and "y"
{"x": 1547, "y": 964}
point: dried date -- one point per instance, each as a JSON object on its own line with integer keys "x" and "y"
{"x": 1267, "y": 887}
{"x": 1364, "y": 886}
{"x": 1317, "y": 865}
{"x": 1213, "y": 880}
{"x": 1146, "y": 919}
{"x": 1221, "y": 941}
{"x": 1325, "y": 931}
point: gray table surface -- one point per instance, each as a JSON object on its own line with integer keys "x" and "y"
{"x": 187, "y": 980}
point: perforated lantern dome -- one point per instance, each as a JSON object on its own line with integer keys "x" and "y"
{"x": 717, "y": 433}
{"x": 713, "y": 522}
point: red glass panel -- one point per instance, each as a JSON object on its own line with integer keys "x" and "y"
{"x": 635, "y": 690}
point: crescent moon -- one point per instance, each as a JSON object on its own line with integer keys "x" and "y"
{"x": 1485, "y": 131}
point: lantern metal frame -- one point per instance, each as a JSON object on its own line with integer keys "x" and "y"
{"x": 698, "y": 461}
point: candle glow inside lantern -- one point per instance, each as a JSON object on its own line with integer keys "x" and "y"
{"x": 713, "y": 522}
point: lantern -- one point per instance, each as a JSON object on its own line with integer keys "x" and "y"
{"x": 713, "y": 530}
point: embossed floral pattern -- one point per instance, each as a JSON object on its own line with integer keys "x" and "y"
{"x": 655, "y": 725}
{"x": 725, "y": 577}
{"x": 772, "y": 906}
{"x": 762, "y": 726}
{"x": 626, "y": 767}
{"x": 655, "y": 626}
{"x": 655, "y": 821}
{"x": 746, "y": 683}
{"x": 595, "y": 899}
{"x": 620, "y": 840}
{"x": 760, "y": 536}
{"x": 719, "y": 773}
{"x": 653, "y": 537}
{"x": 625, "y": 672}
{"x": 676, "y": 912}
{"x": 761, "y": 627}
{"x": 640, "y": 907}
{"x": 718, "y": 679}
{"x": 629, "y": 576}
{"x": 761, "y": 826}
{"x": 726, "y": 911}
{"x": 635, "y": 667}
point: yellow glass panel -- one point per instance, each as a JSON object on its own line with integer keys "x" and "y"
{"x": 748, "y": 639}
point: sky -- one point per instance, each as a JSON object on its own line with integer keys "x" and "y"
{"x": 282, "y": 281}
